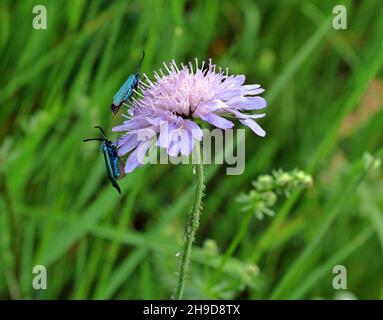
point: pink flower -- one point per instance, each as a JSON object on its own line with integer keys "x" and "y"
{"x": 178, "y": 98}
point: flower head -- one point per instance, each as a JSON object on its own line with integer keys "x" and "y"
{"x": 179, "y": 98}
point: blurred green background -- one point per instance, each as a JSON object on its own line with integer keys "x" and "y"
{"x": 324, "y": 91}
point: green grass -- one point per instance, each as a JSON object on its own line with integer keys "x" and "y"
{"x": 57, "y": 207}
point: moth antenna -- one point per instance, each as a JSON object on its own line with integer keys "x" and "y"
{"x": 142, "y": 59}
{"x": 102, "y": 131}
{"x": 94, "y": 139}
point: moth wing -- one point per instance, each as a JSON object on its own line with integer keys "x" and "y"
{"x": 116, "y": 186}
{"x": 133, "y": 84}
{"x": 118, "y": 98}
{"x": 109, "y": 170}
{"x": 121, "y": 169}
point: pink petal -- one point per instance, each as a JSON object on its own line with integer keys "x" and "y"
{"x": 253, "y": 92}
{"x": 239, "y": 80}
{"x": 217, "y": 121}
{"x": 127, "y": 144}
{"x": 253, "y": 126}
{"x": 132, "y": 162}
{"x": 212, "y": 106}
{"x": 228, "y": 93}
{"x": 165, "y": 136}
{"x": 136, "y": 158}
{"x": 194, "y": 129}
{"x": 248, "y": 103}
{"x": 186, "y": 143}
{"x": 174, "y": 149}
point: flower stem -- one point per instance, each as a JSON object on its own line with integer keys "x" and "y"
{"x": 192, "y": 223}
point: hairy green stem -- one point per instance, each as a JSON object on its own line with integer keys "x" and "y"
{"x": 192, "y": 223}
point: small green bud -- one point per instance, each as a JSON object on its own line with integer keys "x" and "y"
{"x": 303, "y": 179}
{"x": 269, "y": 198}
{"x": 265, "y": 182}
{"x": 284, "y": 179}
{"x": 267, "y": 188}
